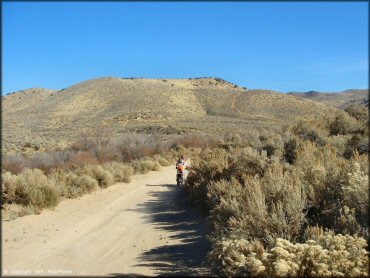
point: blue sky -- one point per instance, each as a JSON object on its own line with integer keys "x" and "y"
{"x": 284, "y": 46}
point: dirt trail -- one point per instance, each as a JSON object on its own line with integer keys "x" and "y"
{"x": 233, "y": 103}
{"x": 145, "y": 227}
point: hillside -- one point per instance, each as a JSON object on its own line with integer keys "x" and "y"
{"x": 41, "y": 117}
{"x": 338, "y": 99}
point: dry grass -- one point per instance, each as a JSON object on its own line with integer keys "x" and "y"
{"x": 341, "y": 99}
{"x": 199, "y": 105}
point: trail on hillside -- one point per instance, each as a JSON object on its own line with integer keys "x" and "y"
{"x": 233, "y": 103}
{"x": 145, "y": 227}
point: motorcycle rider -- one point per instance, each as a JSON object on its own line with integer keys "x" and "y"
{"x": 181, "y": 165}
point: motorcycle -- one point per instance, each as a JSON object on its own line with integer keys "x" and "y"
{"x": 180, "y": 176}
{"x": 180, "y": 179}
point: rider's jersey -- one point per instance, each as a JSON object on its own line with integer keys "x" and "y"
{"x": 181, "y": 166}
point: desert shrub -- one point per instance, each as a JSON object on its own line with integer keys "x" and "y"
{"x": 363, "y": 145}
{"x": 46, "y": 161}
{"x": 92, "y": 139}
{"x": 216, "y": 164}
{"x": 13, "y": 163}
{"x": 161, "y": 160}
{"x": 144, "y": 166}
{"x": 78, "y": 185}
{"x": 29, "y": 209}
{"x": 8, "y": 187}
{"x": 355, "y": 188}
{"x": 290, "y": 150}
{"x": 96, "y": 147}
{"x": 120, "y": 171}
{"x": 244, "y": 138}
{"x": 197, "y": 140}
{"x": 261, "y": 208}
{"x": 321, "y": 172}
{"x": 32, "y": 187}
{"x": 333, "y": 183}
{"x": 75, "y": 170}
{"x": 243, "y": 192}
{"x": 205, "y": 168}
{"x": 339, "y": 142}
{"x": 103, "y": 177}
{"x": 137, "y": 146}
{"x": 308, "y": 131}
{"x": 359, "y": 112}
{"x": 328, "y": 255}
{"x": 109, "y": 153}
{"x": 254, "y": 198}
{"x": 125, "y": 148}
{"x": 84, "y": 158}
{"x": 269, "y": 149}
{"x": 236, "y": 257}
{"x": 357, "y": 143}
{"x": 72, "y": 185}
{"x": 343, "y": 124}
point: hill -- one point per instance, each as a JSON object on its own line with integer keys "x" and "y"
{"x": 338, "y": 99}
{"x": 41, "y": 117}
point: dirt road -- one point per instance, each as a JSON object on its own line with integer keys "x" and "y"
{"x": 145, "y": 227}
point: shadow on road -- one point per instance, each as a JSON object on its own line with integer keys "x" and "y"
{"x": 169, "y": 211}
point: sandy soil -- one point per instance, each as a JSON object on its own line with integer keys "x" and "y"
{"x": 145, "y": 227}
